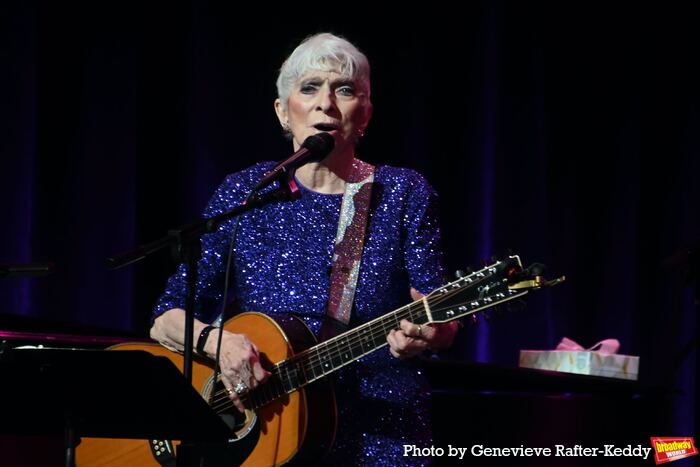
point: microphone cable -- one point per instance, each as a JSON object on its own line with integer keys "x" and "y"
{"x": 227, "y": 275}
{"x": 317, "y": 146}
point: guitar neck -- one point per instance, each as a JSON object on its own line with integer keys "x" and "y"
{"x": 323, "y": 359}
{"x": 328, "y": 356}
{"x": 456, "y": 300}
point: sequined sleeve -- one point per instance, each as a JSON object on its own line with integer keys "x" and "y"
{"x": 212, "y": 265}
{"x": 422, "y": 247}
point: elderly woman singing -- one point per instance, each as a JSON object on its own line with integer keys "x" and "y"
{"x": 359, "y": 242}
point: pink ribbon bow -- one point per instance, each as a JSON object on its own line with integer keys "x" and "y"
{"x": 607, "y": 346}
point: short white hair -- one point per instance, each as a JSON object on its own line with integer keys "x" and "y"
{"x": 324, "y": 52}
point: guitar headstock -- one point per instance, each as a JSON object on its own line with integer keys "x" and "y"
{"x": 495, "y": 284}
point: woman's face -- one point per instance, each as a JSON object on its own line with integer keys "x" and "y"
{"x": 324, "y": 101}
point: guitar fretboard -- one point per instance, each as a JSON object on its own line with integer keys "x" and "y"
{"x": 465, "y": 296}
{"x": 327, "y": 357}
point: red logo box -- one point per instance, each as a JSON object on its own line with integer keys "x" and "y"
{"x": 669, "y": 449}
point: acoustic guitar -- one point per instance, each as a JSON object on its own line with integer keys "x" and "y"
{"x": 289, "y": 419}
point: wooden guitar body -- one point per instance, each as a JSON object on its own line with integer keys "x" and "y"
{"x": 295, "y": 417}
{"x": 298, "y": 427}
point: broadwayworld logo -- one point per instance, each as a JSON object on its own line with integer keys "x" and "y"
{"x": 671, "y": 449}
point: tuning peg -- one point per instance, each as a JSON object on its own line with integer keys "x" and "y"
{"x": 459, "y": 273}
{"x": 474, "y": 320}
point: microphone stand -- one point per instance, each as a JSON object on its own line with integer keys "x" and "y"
{"x": 185, "y": 245}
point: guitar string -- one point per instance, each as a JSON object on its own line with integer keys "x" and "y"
{"x": 314, "y": 361}
{"x": 418, "y": 304}
{"x": 221, "y": 397}
{"x": 375, "y": 332}
{"x": 380, "y": 332}
{"x": 222, "y": 402}
{"x": 297, "y": 359}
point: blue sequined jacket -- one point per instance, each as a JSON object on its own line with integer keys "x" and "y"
{"x": 282, "y": 262}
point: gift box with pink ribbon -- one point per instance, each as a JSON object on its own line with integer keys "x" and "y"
{"x": 601, "y": 359}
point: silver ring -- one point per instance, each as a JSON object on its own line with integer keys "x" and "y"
{"x": 420, "y": 330}
{"x": 241, "y": 388}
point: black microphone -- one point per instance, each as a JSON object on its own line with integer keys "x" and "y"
{"x": 314, "y": 148}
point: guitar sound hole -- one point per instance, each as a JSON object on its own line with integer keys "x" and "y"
{"x": 233, "y": 419}
{"x": 239, "y": 423}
